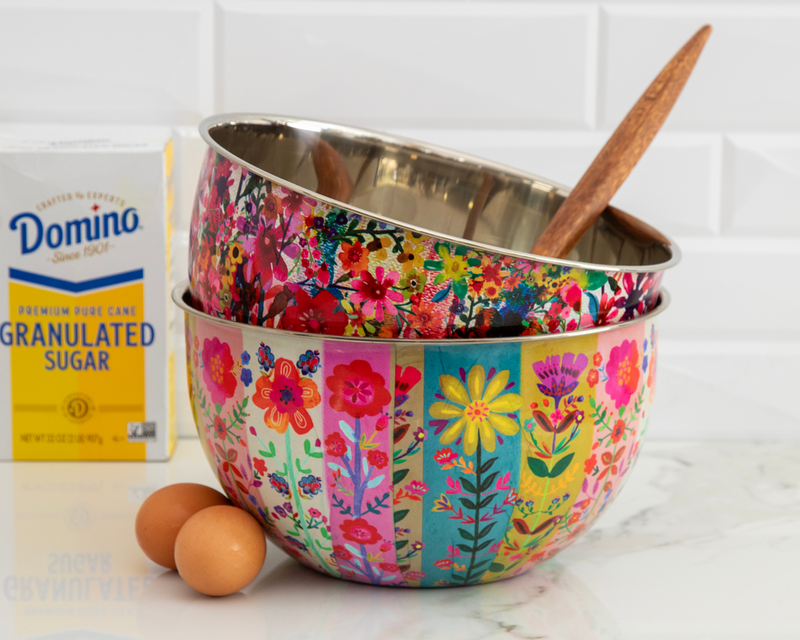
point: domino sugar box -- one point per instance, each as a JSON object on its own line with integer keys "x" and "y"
{"x": 86, "y": 360}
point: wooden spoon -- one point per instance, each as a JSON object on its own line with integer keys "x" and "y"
{"x": 621, "y": 153}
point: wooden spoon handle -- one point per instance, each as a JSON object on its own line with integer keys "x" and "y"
{"x": 621, "y": 153}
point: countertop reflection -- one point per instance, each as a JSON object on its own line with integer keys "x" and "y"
{"x": 704, "y": 542}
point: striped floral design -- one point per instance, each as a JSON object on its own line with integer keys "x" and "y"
{"x": 421, "y": 465}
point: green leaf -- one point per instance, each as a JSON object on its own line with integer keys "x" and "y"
{"x": 399, "y": 515}
{"x": 316, "y": 454}
{"x": 400, "y": 544}
{"x": 538, "y": 467}
{"x": 561, "y": 466}
{"x": 592, "y": 403}
{"x": 482, "y": 546}
{"x": 485, "y": 531}
{"x": 460, "y": 289}
{"x": 496, "y": 567}
{"x": 487, "y": 482}
{"x": 486, "y": 501}
{"x": 464, "y": 547}
{"x": 487, "y": 465}
{"x": 397, "y": 476}
{"x": 466, "y": 535}
{"x": 307, "y": 446}
{"x": 469, "y": 504}
{"x": 468, "y": 486}
{"x": 433, "y": 265}
{"x": 478, "y": 565}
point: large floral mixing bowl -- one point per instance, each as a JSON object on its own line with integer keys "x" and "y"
{"x": 319, "y": 228}
{"x": 421, "y": 463}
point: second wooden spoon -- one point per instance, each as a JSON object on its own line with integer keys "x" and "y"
{"x": 621, "y": 153}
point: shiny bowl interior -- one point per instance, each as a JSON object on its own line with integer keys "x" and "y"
{"x": 429, "y": 189}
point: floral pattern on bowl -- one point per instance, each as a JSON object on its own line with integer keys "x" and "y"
{"x": 421, "y": 464}
{"x": 266, "y": 255}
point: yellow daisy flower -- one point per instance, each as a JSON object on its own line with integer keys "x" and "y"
{"x": 480, "y": 409}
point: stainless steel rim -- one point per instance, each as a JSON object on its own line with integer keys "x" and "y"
{"x": 182, "y": 290}
{"x": 421, "y": 147}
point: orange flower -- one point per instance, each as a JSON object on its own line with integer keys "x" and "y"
{"x": 354, "y": 257}
{"x": 286, "y": 397}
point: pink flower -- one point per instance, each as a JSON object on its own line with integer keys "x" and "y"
{"x": 314, "y": 513}
{"x": 375, "y": 294}
{"x": 455, "y": 486}
{"x": 218, "y": 370}
{"x": 444, "y": 563}
{"x": 571, "y": 294}
{"x": 623, "y": 372}
{"x": 414, "y": 575}
{"x": 417, "y": 488}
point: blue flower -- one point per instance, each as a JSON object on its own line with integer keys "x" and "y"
{"x": 246, "y": 377}
{"x": 310, "y": 485}
{"x": 296, "y": 543}
{"x": 245, "y": 357}
{"x": 279, "y": 484}
{"x": 309, "y": 362}
{"x": 265, "y": 358}
{"x": 644, "y": 364}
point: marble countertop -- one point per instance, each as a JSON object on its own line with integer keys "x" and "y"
{"x": 703, "y": 543}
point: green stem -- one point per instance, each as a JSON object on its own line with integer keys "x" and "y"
{"x": 300, "y": 512}
{"x": 477, "y": 516}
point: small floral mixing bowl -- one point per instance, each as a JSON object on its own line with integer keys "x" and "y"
{"x": 421, "y": 463}
{"x": 319, "y": 228}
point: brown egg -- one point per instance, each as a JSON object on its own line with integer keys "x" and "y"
{"x": 220, "y": 550}
{"x": 163, "y": 514}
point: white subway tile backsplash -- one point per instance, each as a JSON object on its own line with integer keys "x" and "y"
{"x": 440, "y": 64}
{"x": 761, "y": 185}
{"x": 740, "y": 390}
{"x": 112, "y": 62}
{"x": 734, "y": 289}
{"x": 675, "y": 186}
{"x": 746, "y": 78}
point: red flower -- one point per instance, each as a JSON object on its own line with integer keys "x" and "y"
{"x": 445, "y": 456}
{"x": 314, "y": 315}
{"x": 260, "y": 465}
{"x": 265, "y": 253}
{"x": 592, "y": 377}
{"x": 360, "y": 531}
{"x": 335, "y": 445}
{"x": 617, "y": 433}
{"x": 357, "y": 389}
{"x": 590, "y": 464}
{"x": 219, "y": 427}
{"x": 377, "y": 458}
{"x": 286, "y": 397}
{"x": 444, "y": 563}
{"x": 597, "y": 359}
{"x": 571, "y": 294}
{"x": 340, "y": 552}
{"x": 218, "y": 370}
{"x": 623, "y": 372}
{"x": 388, "y": 566}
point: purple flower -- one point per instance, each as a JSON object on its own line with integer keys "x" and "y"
{"x": 559, "y": 377}
{"x": 246, "y": 377}
{"x": 245, "y": 358}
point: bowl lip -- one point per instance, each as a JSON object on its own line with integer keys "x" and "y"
{"x": 182, "y": 290}
{"x": 307, "y": 124}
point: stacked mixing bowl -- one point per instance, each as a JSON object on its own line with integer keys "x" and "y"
{"x": 384, "y": 377}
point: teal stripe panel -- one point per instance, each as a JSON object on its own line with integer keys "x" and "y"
{"x": 470, "y": 486}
